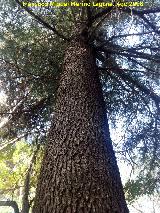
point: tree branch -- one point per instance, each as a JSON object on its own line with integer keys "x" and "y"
{"x": 100, "y": 14}
{"x": 89, "y": 14}
{"x": 144, "y": 55}
{"x": 126, "y": 9}
{"x": 115, "y": 49}
{"x": 13, "y": 204}
{"x": 139, "y": 85}
{"x": 4, "y": 145}
{"x": 141, "y": 12}
{"x": 41, "y": 21}
{"x": 126, "y": 35}
{"x": 142, "y": 65}
{"x": 141, "y": 15}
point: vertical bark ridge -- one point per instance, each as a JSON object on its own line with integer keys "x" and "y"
{"x": 79, "y": 172}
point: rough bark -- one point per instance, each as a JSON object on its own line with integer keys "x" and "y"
{"x": 12, "y": 204}
{"x": 79, "y": 172}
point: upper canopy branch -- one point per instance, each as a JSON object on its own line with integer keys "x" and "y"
{"x": 126, "y": 77}
{"x": 141, "y": 15}
{"x": 128, "y": 10}
{"x": 100, "y": 14}
{"x": 126, "y": 52}
{"x": 129, "y": 34}
{"x": 41, "y": 21}
{"x": 138, "y": 84}
{"x": 141, "y": 12}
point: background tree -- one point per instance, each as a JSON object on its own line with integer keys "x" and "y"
{"x": 129, "y": 73}
{"x": 19, "y": 164}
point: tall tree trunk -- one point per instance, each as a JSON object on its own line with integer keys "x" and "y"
{"x": 79, "y": 172}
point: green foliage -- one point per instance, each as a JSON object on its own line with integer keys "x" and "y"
{"x": 15, "y": 162}
{"x": 144, "y": 184}
{"x": 31, "y": 61}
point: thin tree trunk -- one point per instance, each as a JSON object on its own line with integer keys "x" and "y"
{"x": 79, "y": 172}
{"x": 25, "y": 200}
